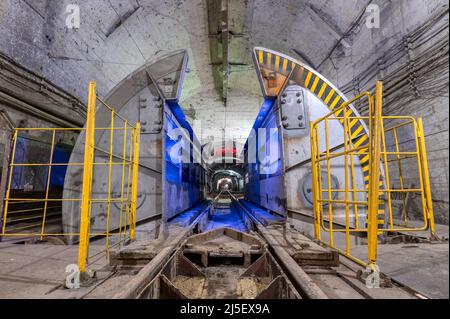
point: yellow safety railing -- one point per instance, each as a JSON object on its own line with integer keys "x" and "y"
{"x": 128, "y": 160}
{"x": 363, "y": 206}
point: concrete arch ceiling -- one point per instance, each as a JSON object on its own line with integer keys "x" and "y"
{"x": 117, "y": 36}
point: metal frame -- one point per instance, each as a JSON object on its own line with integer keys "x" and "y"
{"x": 129, "y": 163}
{"x": 378, "y": 192}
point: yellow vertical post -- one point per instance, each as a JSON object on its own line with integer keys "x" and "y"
{"x": 315, "y": 184}
{"x": 330, "y": 195}
{"x": 128, "y": 198}
{"x": 426, "y": 177}
{"x": 47, "y": 187}
{"x": 421, "y": 176}
{"x": 110, "y": 164}
{"x": 318, "y": 180}
{"x": 134, "y": 184}
{"x": 374, "y": 180}
{"x": 346, "y": 179}
{"x": 8, "y": 190}
{"x": 353, "y": 179}
{"x": 386, "y": 173}
{"x": 122, "y": 182}
{"x": 87, "y": 179}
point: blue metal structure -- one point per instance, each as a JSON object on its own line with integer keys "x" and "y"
{"x": 264, "y": 172}
{"x": 27, "y": 148}
{"x": 183, "y": 179}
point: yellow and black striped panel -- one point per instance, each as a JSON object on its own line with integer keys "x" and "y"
{"x": 270, "y": 61}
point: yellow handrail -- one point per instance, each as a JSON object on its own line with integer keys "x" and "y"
{"x": 128, "y": 163}
{"x": 376, "y": 198}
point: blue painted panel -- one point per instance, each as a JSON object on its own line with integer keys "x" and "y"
{"x": 264, "y": 179}
{"x": 178, "y": 113}
{"x": 32, "y": 151}
{"x": 61, "y": 155}
{"x": 183, "y": 179}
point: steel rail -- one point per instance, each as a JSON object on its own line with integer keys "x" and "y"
{"x": 146, "y": 274}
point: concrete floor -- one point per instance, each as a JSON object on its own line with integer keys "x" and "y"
{"x": 423, "y": 267}
{"x": 34, "y": 271}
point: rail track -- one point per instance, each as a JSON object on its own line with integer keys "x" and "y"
{"x": 268, "y": 261}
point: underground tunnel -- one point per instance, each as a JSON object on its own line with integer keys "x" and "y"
{"x": 217, "y": 149}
